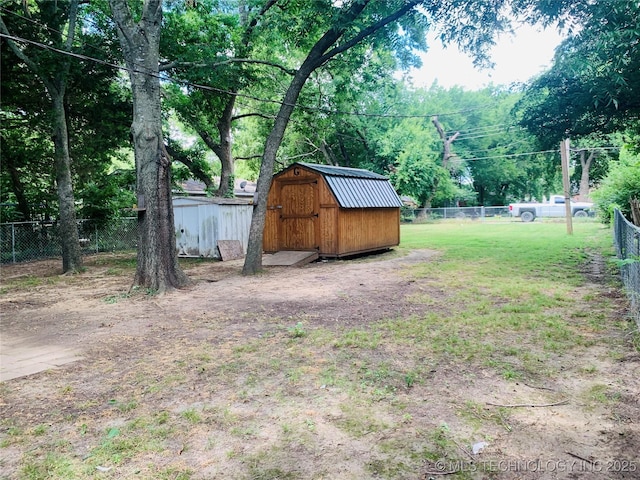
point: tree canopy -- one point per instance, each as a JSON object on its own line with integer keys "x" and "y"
{"x": 591, "y": 92}
{"x": 274, "y": 81}
{"x": 594, "y": 82}
{"x": 42, "y": 42}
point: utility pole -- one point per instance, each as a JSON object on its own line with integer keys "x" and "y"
{"x": 564, "y": 160}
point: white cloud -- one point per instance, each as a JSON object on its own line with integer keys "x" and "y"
{"x": 517, "y": 58}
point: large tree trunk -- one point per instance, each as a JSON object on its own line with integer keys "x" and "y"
{"x": 585, "y": 163}
{"x": 227, "y": 176}
{"x": 481, "y": 191}
{"x": 318, "y": 55}
{"x": 71, "y": 251}
{"x": 634, "y": 204}
{"x": 55, "y": 83}
{"x": 446, "y": 142}
{"x": 157, "y": 267}
{"x": 9, "y": 164}
{"x": 253, "y": 260}
{"x": 222, "y": 149}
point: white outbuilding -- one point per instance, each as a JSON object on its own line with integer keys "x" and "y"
{"x": 202, "y": 222}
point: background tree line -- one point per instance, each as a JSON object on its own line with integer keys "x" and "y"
{"x": 260, "y": 84}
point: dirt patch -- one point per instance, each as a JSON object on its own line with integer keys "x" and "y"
{"x": 306, "y": 373}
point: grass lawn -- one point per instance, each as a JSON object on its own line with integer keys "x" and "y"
{"x": 507, "y": 343}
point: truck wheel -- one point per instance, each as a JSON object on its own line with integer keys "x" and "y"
{"x": 581, "y": 214}
{"x": 527, "y": 216}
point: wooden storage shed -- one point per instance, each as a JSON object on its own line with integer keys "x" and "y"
{"x": 200, "y": 222}
{"x": 336, "y": 211}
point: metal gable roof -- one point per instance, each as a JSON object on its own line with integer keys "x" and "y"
{"x": 342, "y": 171}
{"x": 357, "y": 188}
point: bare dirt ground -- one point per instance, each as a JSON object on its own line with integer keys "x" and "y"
{"x": 279, "y": 376}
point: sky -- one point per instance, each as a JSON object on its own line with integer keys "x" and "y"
{"x": 517, "y": 57}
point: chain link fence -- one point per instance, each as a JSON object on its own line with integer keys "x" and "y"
{"x": 472, "y": 213}
{"x": 627, "y": 240}
{"x": 25, "y": 241}
{"x": 489, "y": 214}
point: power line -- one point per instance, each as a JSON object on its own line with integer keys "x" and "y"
{"x": 497, "y": 126}
{"x": 499, "y": 146}
{"x": 484, "y": 132}
{"x": 487, "y": 129}
{"x": 511, "y": 155}
{"x": 50, "y": 29}
{"x": 200, "y": 86}
{"x": 578, "y": 149}
{"x": 30, "y": 20}
{"x": 491, "y": 134}
{"x": 80, "y": 56}
{"x": 532, "y": 153}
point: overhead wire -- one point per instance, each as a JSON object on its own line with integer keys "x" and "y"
{"x": 484, "y": 127}
{"x": 474, "y": 130}
{"x": 510, "y": 155}
{"x": 499, "y": 146}
{"x": 579, "y": 149}
{"x": 207, "y": 87}
{"x": 483, "y": 132}
{"x": 50, "y": 29}
{"x": 465, "y": 134}
{"x": 187, "y": 83}
{"x": 475, "y": 137}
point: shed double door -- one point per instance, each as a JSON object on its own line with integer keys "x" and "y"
{"x": 299, "y": 215}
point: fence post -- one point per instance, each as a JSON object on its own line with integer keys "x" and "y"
{"x": 97, "y": 245}
{"x": 13, "y": 242}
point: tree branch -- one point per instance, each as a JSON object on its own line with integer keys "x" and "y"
{"x": 301, "y": 155}
{"x": 254, "y": 20}
{"x": 66, "y": 66}
{"x": 183, "y": 158}
{"x": 51, "y": 84}
{"x": 163, "y": 67}
{"x": 73, "y": 14}
{"x": 176, "y": 64}
{"x": 369, "y": 31}
{"x": 21, "y": 55}
{"x": 261, "y": 115}
{"x": 123, "y": 19}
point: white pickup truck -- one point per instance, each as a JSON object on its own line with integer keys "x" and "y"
{"x": 555, "y": 207}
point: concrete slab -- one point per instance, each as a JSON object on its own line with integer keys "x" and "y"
{"x": 289, "y": 258}
{"x": 20, "y": 357}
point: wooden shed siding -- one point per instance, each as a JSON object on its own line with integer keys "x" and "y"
{"x": 304, "y": 214}
{"x": 272, "y": 220}
{"x": 329, "y": 228}
{"x": 299, "y": 213}
{"x": 326, "y": 196}
{"x": 372, "y": 229}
